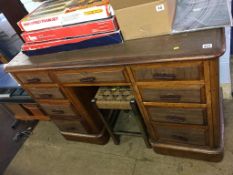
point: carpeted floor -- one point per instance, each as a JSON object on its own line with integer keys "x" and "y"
{"x": 47, "y": 153}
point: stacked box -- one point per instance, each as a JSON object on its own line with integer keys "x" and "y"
{"x": 77, "y": 30}
{"x": 71, "y": 44}
{"x": 57, "y": 13}
{"x": 144, "y": 18}
{"x": 59, "y": 24}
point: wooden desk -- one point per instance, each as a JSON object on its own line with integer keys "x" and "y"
{"x": 175, "y": 80}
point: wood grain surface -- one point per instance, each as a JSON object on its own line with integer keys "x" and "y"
{"x": 186, "y": 46}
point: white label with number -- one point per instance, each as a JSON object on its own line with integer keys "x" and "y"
{"x": 160, "y": 7}
{"x": 207, "y": 46}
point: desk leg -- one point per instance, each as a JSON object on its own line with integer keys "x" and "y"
{"x": 140, "y": 122}
{"x": 115, "y": 138}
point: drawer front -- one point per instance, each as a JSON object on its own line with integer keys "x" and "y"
{"x": 26, "y": 111}
{"x": 34, "y": 109}
{"x": 70, "y": 125}
{"x": 178, "y": 115}
{"x": 34, "y": 77}
{"x": 46, "y": 93}
{"x": 92, "y": 77}
{"x": 166, "y": 73}
{"x": 173, "y": 95}
{"x": 182, "y": 135}
{"x": 16, "y": 109}
{"x": 58, "y": 109}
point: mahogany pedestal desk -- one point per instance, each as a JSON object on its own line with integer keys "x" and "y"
{"x": 175, "y": 81}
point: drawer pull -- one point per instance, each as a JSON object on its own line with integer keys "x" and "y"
{"x": 33, "y": 80}
{"x": 175, "y": 118}
{"x": 164, "y": 76}
{"x": 181, "y": 138}
{"x": 88, "y": 79}
{"x": 170, "y": 97}
{"x": 46, "y": 95}
{"x": 72, "y": 128}
{"x": 58, "y": 111}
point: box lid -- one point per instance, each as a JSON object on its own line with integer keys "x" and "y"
{"x": 121, "y": 4}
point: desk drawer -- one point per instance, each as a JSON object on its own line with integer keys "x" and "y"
{"x": 194, "y": 94}
{"x": 46, "y": 93}
{"x": 27, "y": 111}
{"x": 183, "y": 135}
{"x": 69, "y": 124}
{"x": 178, "y": 115}
{"x": 166, "y": 72}
{"x": 113, "y": 75}
{"x": 34, "y": 77}
{"x": 65, "y": 109}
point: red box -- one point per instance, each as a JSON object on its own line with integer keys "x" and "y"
{"x": 58, "y": 13}
{"x": 90, "y": 28}
{"x": 53, "y": 43}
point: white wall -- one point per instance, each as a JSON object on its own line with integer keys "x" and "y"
{"x": 225, "y": 63}
{"x": 30, "y": 5}
{"x": 225, "y": 60}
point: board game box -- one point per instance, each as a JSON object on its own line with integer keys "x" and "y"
{"x": 89, "y": 28}
{"x": 55, "y": 13}
{"x": 31, "y": 49}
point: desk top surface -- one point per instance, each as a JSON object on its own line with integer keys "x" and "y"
{"x": 186, "y": 46}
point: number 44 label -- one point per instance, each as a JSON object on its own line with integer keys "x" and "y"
{"x": 160, "y": 7}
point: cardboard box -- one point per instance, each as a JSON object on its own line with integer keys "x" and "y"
{"x": 90, "y": 28}
{"x": 31, "y": 49}
{"x": 144, "y": 18}
{"x": 54, "y": 13}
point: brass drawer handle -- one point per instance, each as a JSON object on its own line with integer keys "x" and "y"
{"x": 33, "y": 80}
{"x": 58, "y": 111}
{"x": 164, "y": 76}
{"x": 45, "y": 95}
{"x": 181, "y": 138}
{"x": 176, "y": 118}
{"x": 87, "y": 79}
{"x": 170, "y": 97}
